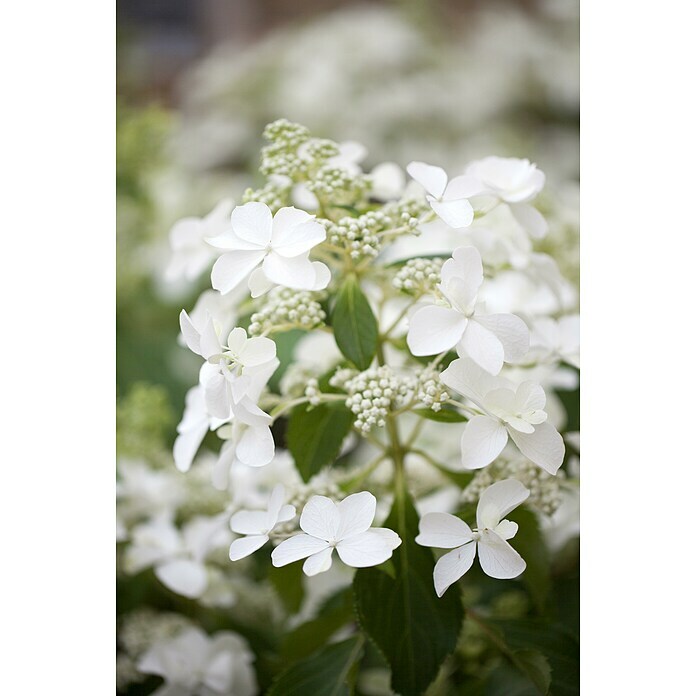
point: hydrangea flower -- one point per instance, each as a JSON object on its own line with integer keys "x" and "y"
{"x": 508, "y": 410}
{"x": 497, "y": 558}
{"x": 513, "y": 181}
{"x": 346, "y": 527}
{"x": 229, "y": 379}
{"x": 257, "y": 525}
{"x": 449, "y": 200}
{"x": 269, "y": 250}
{"x": 191, "y": 255}
{"x": 177, "y": 556}
{"x": 195, "y": 664}
{"x": 489, "y": 340}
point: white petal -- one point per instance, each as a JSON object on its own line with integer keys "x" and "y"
{"x": 295, "y": 548}
{"x": 253, "y": 223}
{"x": 530, "y": 219}
{"x": 259, "y": 283}
{"x": 392, "y": 539}
{"x": 227, "y": 240}
{"x": 506, "y": 529}
{"x": 233, "y": 267}
{"x": 482, "y": 441}
{"x": 295, "y": 232}
{"x": 275, "y": 503}
{"x": 247, "y": 412}
{"x": 456, "y": 214}
{"x": 297, "y": 273}
{"x": 443, "y": 531}
{"x": 185, "y": 232}
{"x": 217, "y": 396}
{"x": 322, "y": 275}
{"x": 466, "y": 377}
{"x": 498, "y": 559}
{"x": 544, "y": 446}
{"x": 498, "y": 500}
{"x": 511, "y": 331}
{"x": 190, "y": 332}
{"x": 356, "y": 513}
{"x": 364, "y": 550}
{"x": 482, "y": 346}
{"x": 184, "y": 577}
{"x": 320, "y": 518}
{"x": 433, "y": 329}
{"x": 432, "y": 179}
{"x": 186, "y": 445}
{"x": 318, "y": 562}
{"x": 463, "y": 186}
{"x": 257, "y": 351}
{"x": 256, "y": 446}
{"x": 530, "y": 396}
{"x": 210, "y": 343}
{"x": 465, "y": 264}
{"x": 249, "y": 522}
{"x": 241, "y": 548}
{"x": 287, "y": 512}
{"x": 452, "y": 566}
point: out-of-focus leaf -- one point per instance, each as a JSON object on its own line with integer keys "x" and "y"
{"x": 329, "y": 672}
{"x": 287, "y": 582}
{"x": 306, "y": 638}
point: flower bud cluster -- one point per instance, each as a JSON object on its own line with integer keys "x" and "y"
{"x": 418, "y": 276}
{"x": 312, "y": 391}
{"x": 275, "y": 194}
{"x": 338, "y": 185}
{"x": 431, "y": 391}
{"x": 144, "y": 627}
{"x": 281, "y": 156}
{"x": 373, "y": 393}
{"x": 287, "y": 308}
{"x": 295, "y": 379}
{"x": 545, "y": 489}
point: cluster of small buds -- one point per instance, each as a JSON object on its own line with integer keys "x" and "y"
{"x": 202, "y": 498}
{"x": 312, "y": 391}
{"x": 340, "y": 378}
{"x": 296, "y": 377}
{"x": 431, "y": 391}
{"x": 318, "y": 150}
{"x": 144, "y": 627}
{"x": 126, "y": 672}
{"x": 288, "y": 308}
{"x": 419, "y": 276}
{"x": 544, "y": 489}
{"x": 338, "y": 185}
{"x": 275, "y": 194}
{"x": 280, "y": 156}
{"x": 372, "y": 394}
{"x": 358, "y": 234}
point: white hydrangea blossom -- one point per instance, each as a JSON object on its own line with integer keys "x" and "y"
{"x": 506, "y": 410}
{"x": 195, "y": 664}
{"x": 498, "y": 559}
{"x": 488, "y": 339}
{"x": 279, "y": 244}
{"x": 346, "y": 527}
{"x": 257, "y": 526}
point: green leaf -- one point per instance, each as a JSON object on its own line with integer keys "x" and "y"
{"x": 329, "y": 672}
{"x": 559, "y": 647}
{"x": 529, "y": 543}
{"x": 287, "y": 582}
{"x": 444, "y": 415}
{"x": 314, "y": 436}
{"x": 354, "y": 324}
{"x": 309, "y": 636}
{"x": 505, "y": 680}
{"x": 413, "y": 628}
{"x": 535, "y": 666}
